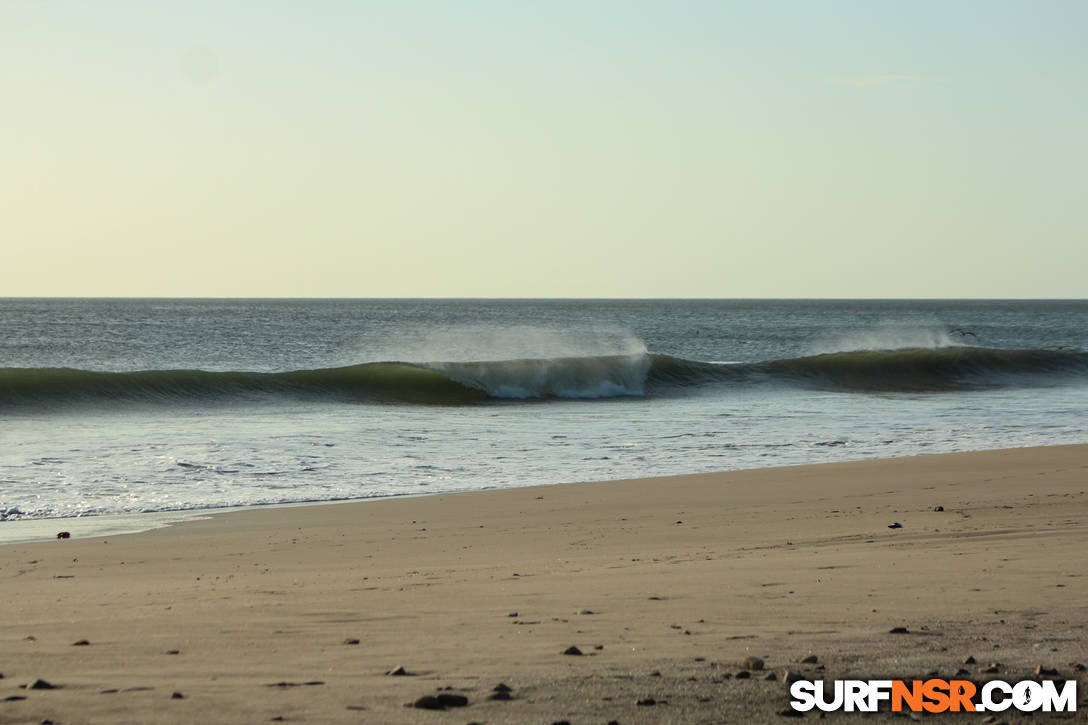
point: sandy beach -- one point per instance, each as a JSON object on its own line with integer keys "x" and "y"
{"x": 664, "y": 585}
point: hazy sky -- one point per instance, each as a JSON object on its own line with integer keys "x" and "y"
{"x": 544, "y": 148}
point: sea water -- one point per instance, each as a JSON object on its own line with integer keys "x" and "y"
{"x": 165, "y": 408}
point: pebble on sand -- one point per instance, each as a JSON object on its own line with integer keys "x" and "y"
{"x": 42, "y": 685}
{"x": 751, "y": 663}
{"x": 351, "y": 640}
{"x": 898, "y": 630}
{"x": 80, "y": 643}
{"x": 810, "y": 660}
{"x": 440, "y": 701}
{"x": 572, "y": 650}
{"x": 398, "y": 671}
{"x": 428, "y": 702}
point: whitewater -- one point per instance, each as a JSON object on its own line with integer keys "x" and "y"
{"x": 130, "y": 411}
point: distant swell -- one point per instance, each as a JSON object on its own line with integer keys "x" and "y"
{"x": 912, "y": 370}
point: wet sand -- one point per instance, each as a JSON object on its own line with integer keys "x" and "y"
{"x": 664, "y": 585}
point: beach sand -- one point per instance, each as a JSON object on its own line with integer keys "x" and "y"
{"x": 665, "y": 585}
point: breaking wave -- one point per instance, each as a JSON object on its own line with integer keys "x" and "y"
{"x": 609, "y": 376}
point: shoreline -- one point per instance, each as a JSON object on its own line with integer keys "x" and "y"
{"x": 675, "y": 579}
{"x": 141, "y": 522}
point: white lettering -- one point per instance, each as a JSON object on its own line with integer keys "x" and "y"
{"x": 804, "y": 695}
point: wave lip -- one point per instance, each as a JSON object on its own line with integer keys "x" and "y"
{"x": 574, "y": 377}
{"x": 372, "y": 382}
{"x": 930, "y": 369}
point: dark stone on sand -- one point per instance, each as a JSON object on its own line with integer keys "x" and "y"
{"x": 64, "y": 535}
{"x": 502, "y": 695}
{"x": 969, "y": 661}
{"x": 646, "y": 702}
{"x": 586, "y": 611}
{"x": 173, "y": 651}
{"x": 398, "y": 671}
{"x": 751, "y": 663}
{"x": 938, "y": 508}
{"x": 428, "y": 702}
{"x": 743, "y": 675}
{"x": 898, "y": 630}
{"x": 561, "y": 722}
{"x": 572, "y": 650}
{"x": 1048, "y": 671}
{"x": 770, "y": 676}
{"x": 273, "y": 684}
{"x": 351, "y": 640}
{"x": 41, "y": 685}
{"x": 790, "y": 712}
{"x": 177, "y": 696}
{"x": 14, "y": 698}
{"x": 896, "y": 525}
{"x": 447, "y": 699}
{"x": 810, "y": 660}
{"x": 512, "y": 614}
{"x": 962, "y": 672}
{"x": 791, "y": 677}
{"x": 502, "y": 687}
{"x": 80, "y": 643}
{"x": 995, "y": 667}
{"x": 1078, "y": 667}
{"x": 111, "y": 691}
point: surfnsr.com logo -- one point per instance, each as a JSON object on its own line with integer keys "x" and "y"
{"x": 933, "y": 696}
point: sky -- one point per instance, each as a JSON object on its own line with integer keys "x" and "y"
{"x": 568, "y": 148}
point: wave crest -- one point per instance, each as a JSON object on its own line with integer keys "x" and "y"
{"x": 610, "y": 376}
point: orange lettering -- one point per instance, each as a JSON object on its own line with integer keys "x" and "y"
{"x": 912, "y": 695}
{"x": 960, "y": 694}
{"x": 937, "y": 692}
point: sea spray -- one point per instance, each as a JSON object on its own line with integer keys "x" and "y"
{"x": 890, "y": 337}
{"x": 476, "y": 342}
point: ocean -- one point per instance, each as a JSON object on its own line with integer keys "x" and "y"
{"x": 123, "y": 414}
